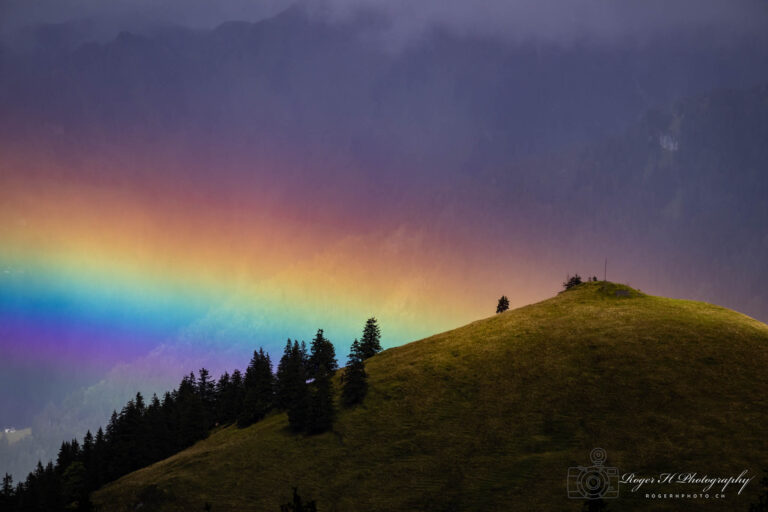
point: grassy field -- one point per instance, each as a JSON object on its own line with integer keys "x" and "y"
{"x": 490, "y": 416}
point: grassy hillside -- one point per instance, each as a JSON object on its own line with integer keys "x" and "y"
{"x": 490, "y": 416}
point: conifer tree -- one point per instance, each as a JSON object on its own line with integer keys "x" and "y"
{"x": 503, "y": 304}
{"x": 87, "y": 458}
{"x": 293, "y": 392}
{"x": 75, "y": 487}
{"x": 139, "y": 401}
{"x": 99, "y": 454}
{"x": 7, "y": 493}
{"x": 321, "y": 410}
{"x": 154, "y": 432}
{"x": 205, "y": 385}
{"x": 87, "y": 450}
{"x": 322, "y": 357}
{"x": 68, "y": 453}
{"x": 354, "y": 380}
{"x": 370, "y": 343}
{"x": 223, "y": 399}
{"x": 169, "y": 418}
{"x": 304, "y": 355}
{"x": 572, "y": 281}
{"x": 193, "y": 423}
{"x": 206, "y": 392}
{"x": 238, "y": 392}
{"x": 322, "y": 365}
{"x": 284, "y": 376}
{"x": 259, "y": 389}
{"x": 298, "y": 409}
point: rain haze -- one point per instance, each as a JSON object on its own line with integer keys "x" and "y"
{"x": 184, "y": 182}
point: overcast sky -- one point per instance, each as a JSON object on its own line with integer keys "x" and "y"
{"x": 558, "y": 20}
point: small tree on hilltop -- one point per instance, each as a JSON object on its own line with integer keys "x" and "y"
{"x": 572, "y": 281}
{"x": 354, "y": 380}
{"x": 370, "y": 343}
{"x": 503, "y": 304}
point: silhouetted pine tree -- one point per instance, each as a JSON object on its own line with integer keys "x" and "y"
{"x": 298, "y": 410}
{"x": 193, "y": 424}
{"x": 370, "y": 343}
{"x": 127, "y": 442}
{"x": 284, "y": 376}
{"x": 7, "y": 494}
{"x": 98, "y": 471}
{"x": 572, "y": 281}
{"x": 355, "y": 380}
{"x": 141, "y": 434}
{"x": 259, "y": 389}
{"x": 223, "y": 394}
{"x": 74, "y": 487}
{"x": 503, "y": 304}
{"x": 322, "y": 357}
{"x": 87, "y": 458}
{"x": 68, "y": 453}
{"x": 321, "y": 410}
{"x": 293, "y": 392}
{"x": 304, "y": 356}
{"x": 238, "y": 393}
{"x": 36, "y": 485}
{"x": 206, "y": 391}
{"x": 154, "y": 434}
{"x": 170, "y": 418}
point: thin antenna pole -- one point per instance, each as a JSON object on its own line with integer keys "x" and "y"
{"x": 605, "y": 270}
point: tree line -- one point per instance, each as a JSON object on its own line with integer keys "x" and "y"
{"x": 143, "y": 433}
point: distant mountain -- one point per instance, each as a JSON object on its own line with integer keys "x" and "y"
{"x": 490, "y": 416}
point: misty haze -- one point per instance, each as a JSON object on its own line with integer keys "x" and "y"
{"x": 183, "y": 183}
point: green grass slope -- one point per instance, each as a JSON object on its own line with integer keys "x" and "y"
{"x": 490, "y": 416}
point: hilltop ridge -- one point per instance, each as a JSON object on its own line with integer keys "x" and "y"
{"x": 491, "y": 415}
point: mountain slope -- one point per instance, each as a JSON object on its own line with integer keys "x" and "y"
{"x": 490, "y": 416}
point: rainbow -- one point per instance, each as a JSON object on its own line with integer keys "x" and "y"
{"x": 101, "y": 264}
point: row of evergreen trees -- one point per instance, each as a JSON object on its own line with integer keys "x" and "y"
{"x": 145, "y": 433}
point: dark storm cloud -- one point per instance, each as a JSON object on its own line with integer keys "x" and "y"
{"x": 564, "y": 20}
{"x": 561, "y": 20}
{"x": 124, "y": 14}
